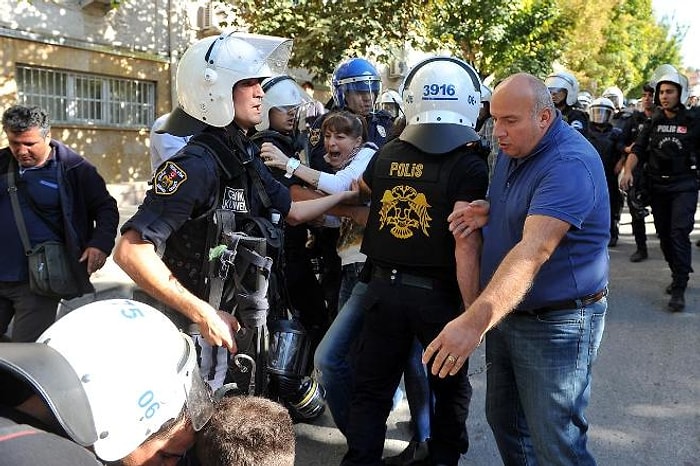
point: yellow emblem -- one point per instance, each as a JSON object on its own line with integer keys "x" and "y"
{"x": 404, "y": 209}
{"x": 314, "y": 136}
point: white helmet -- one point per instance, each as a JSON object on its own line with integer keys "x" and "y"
{"x": 601, "y": 110}
{"x": 441, "y": 102}
{"x": 135, "y": 368}
{"x": 281, "y": 92}
{"x": 485, "y": 93}
{"x": 661, "y": 70}
{"x": 584, "y": 99}
{"x": 210, "y": 68}
{"x": 681, "y": 82}
{"x": 390, "y": 101}
{"x": 564, "y": 81}
{"x": 615, "y": 95}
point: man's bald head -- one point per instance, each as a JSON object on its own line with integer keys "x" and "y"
{"x": 523, "y": 110}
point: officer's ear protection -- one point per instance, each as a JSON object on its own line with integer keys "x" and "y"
{"x": 210, "y": 74}
{"x": 470, "y": 71}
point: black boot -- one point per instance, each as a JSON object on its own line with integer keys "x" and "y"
{"x": 639, "y": 255}
{"x": 677, "y": 302}
{"x": 416, "y": 453}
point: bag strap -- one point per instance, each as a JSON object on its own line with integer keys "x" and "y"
{"x": 16, "y": 209}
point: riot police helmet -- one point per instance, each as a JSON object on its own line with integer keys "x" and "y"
{"x": 356, "y": 75}
{"x": 563, "y": 81}
{"x": 211, "y": 67}
{"x": 442, "y": 100}
{"x": 601, "y": 110}
{"x": 390, "y": 101}
{"x": 112, "y": 372}
{"x": 284, "y": 94}
{"x": 615, "y": 95}
{"x": 677, "y": 79}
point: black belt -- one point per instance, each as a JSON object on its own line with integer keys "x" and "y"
{"x": 571, "y": 304}
{"x": 407, "y": 279}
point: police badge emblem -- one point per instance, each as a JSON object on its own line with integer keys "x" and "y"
{"x": 314, "y": 136}
{"x": 168, "y": 179}
{"x": 381, "y": 130}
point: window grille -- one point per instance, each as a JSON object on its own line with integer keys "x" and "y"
{"x": 87, "y": 99}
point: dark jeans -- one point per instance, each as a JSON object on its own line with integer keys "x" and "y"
{"x": 396, "y": 315}
{"x": 33, "y": 313}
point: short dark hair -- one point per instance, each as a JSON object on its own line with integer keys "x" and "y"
{"x": 247, "y": 431}
{"x": 19, "y": 119}
{"x": 307, "y": 85}
{"x": 647, "y": 87}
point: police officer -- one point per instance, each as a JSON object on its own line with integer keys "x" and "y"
{"x": 356, "y": 85}
{"x": 669, "y": 144}
{"x": 606, "y": 139}
{"x": 637, "y": 195}
{"x": 564, "y": 89}
{"x": 416, "y": 286}
{"x": 214, "y": 185}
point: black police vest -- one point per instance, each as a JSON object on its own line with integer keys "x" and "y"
{"x": 407, "y": 224}
{"x": 186, "y": 252}
{"x": 673, "y": 145}
{"x": 605, "y": 142}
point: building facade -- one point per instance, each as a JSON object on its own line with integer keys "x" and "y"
{"x": 104, "y": 69}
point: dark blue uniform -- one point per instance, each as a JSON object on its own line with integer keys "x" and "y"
{"x": 637, "y": 195}
{"x": 669, "y": 147}
{"x": 606, "y": 140}
{"x": 413, "y": 291}
{"x": 189, "y": 187}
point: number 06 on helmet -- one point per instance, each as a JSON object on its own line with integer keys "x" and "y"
{"x": 113, "y": 372}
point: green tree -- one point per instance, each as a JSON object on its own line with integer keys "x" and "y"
{"x": 602, "y": 42}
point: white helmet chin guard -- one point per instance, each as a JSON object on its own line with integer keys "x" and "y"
{"x": 136, "y": 369}
{"x": 210, "y": 68}
{"x": 441, "y": 102}
{"x": 283, "y": 93}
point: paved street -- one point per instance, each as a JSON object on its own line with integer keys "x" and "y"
{"x": 645, "y": 407}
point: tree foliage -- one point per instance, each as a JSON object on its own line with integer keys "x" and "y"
{"x": 602, "y": 42}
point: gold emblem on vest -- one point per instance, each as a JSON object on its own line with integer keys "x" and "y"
{"x": 406, "y": 170}
{"x": 404, "y": 209}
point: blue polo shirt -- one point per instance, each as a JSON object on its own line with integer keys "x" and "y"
{"x": 562, "y": 178}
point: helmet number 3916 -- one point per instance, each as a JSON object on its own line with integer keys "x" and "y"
{"x": 437, "y": 91}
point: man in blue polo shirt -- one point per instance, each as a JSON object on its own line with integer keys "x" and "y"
{"x": 544, "y": 274}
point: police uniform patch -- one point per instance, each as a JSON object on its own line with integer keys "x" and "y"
{"x": 381, "y": 130}
{"x": 314, "y": 136}
{"x": 404, "y": 209}
{"x": 234, "y": 199}
{"x": 168, "y": 179}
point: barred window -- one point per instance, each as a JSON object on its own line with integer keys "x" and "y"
{"x": 87, "y": 99}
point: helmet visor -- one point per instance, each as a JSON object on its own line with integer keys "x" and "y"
{"x": 600, "y": 114}
{"x": 198, "y": 396}
{"x": 271, "y": 55}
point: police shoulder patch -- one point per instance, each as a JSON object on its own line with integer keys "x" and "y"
{"x": 168, "y": 179}
{"x": 381, "y": 130}
{"x": 314, "y": 136}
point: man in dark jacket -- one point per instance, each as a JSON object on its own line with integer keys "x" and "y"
{"x": 62, "y": 198}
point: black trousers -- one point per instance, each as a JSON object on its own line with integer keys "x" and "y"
{"x": 674, "y": 219}
{"x": 398, "y": 314}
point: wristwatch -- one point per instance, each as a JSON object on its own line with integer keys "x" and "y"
{"x": 292, "y": 165}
